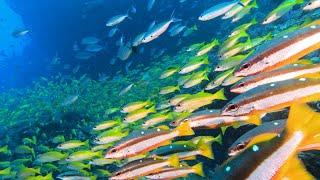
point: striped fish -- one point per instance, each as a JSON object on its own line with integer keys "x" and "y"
{"x": 274, "y": 96}
{"x": 173, "y": 173}
{"x": 211, "y": 119}
{"x": 276, "y": 158}
{"x": 142, "y": 167}
{"x": 281, "y": 51}
{"x": 273, "y": 127}
{"x": 145, "y": 141}
{"x": 282, "y": 74}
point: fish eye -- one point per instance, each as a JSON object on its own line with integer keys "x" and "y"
{"x": 117, "y": 174}
{"x": 245, "y": 66}
{"x": 240, "y": 146}
{"x": 309, "y": 3}
{"x": 241, "y": 85}
{"x": 113, "y": 150}
{"x": 232, "y": 107}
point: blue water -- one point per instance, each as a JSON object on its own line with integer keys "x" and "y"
{"x": 56, "y": 25}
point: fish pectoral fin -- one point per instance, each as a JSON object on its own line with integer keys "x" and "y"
{"x": 293, "y": 169}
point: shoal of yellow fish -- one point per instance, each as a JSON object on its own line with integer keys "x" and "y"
{"x": 268, "y": 74}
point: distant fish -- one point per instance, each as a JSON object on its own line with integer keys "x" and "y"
{"x": 151, "y": 25}
{"x": 178, "y": 30}
{"x": 83, "y": 55}
{"x": 113, "y": 61}
{"x": 124, "y": 52}
{"x": 189, "y": 31}
{"x": 70, "y": 100}
{"x": 217, "y": 10}
{"x": 112, "y": 32}
{"x": 158, "y": 30}
{"x": 89, "y": 40}
{"x": 75, "y": 46}
{"x": 119, "y": 42}
{"x": 94, "y": 48}
{"x": 117, "y": 19}
{"x": 313, "y": 4}
{"x": 281, "y": 10}
{"x": 128, "y": 64}
{"x": 75, "y": 69}
{"x": 126, "y": 89}
{"x": 138, "y": 40}
{"x": 133, "y": 9}
{"x": 150, "y": 4}
{"x": 20, "y": 33}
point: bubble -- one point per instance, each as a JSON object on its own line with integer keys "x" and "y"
{"x": 228, "y": 168}
{"x": 255, "y": 148}
{"x": 302, "y": 79}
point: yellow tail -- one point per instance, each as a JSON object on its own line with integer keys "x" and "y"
{"x": 220, "y": 95}
{"x": 293, "y": 169}
{"x": 174, "y": 160}
{"x": 205, "y": 149}
{"x": 302, "y": 118}
{"x": 254, "y": 120}
{"x": 198, "y": 169}
{"x": 184, "y": 129}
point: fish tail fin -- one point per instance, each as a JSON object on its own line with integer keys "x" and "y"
{"x": 224, "y": 129}
{"x": 292, "y": 169}
{"x": 299, "y": 1}
{"x": 220, "y": 95}
{"x": 33, "y": 153}
{"x": 218, "y": 139}
{"x": 48, "y": 177}
{"x": 269, "y": 36}
{"x": 254, "y": 4}
{"x": 184, "y": 129}
{"x": 205, "y": 149}
{"x": 173, "y": 19}
{"x": 174, "y": 160}
{"x": 88, "y": 166}
{"x": 254, "y": 120}
{"x": 254, "y": 21}
{"x": 152, "y": 109}
{"x": 303, "y": 119}
{"x": 216, "y": 41}
{"x": 195, "y": 27}
{"x": 198, "y": 169}
{"x": 206, "y": 60}
{"x": 87, "y": 143}
{"x": 244, "y": 33}
{"x": 99, "y": 154}
{"x": 304, "y": 61}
